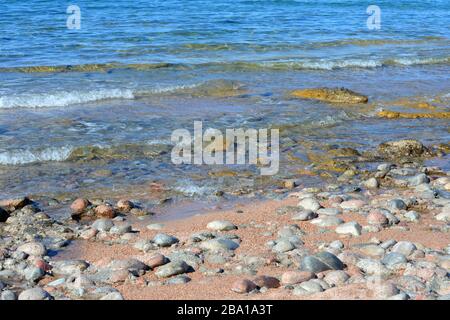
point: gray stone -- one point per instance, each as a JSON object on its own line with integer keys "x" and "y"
{"x": 372, "y": 267}
{"x": 121, "y": 228}
{"x": 283, "y": 246}
{"x": 307, "y": 287}
{"x": 371, "y": 183}
{"x": 353, "y": 228}
{"x": 396, "y": 204}
{"x": 33, "y": 249}
{"x": 304, "y": 215}
{"x": 418, "y": 179}
{"x": 321, "y": 262}
{"x": 181, "y": 279}
{"x": 69, "y": 267}
{"x": 310, "y": 204}
{"x": 35, "y": 294}
{"x": 8, "y": 295}
{"x": 164, "y": 240}
{"x": 155, "y": 226}
{"x": 404, "y": 247}
{"x": 329, "y": 212}
{"x": 113, "y": 296}
{"x": 336, "y": 278}
{"x": 221, "y": 225}
{"x": 171, "y": 269}
{"x": 412, "y": 216}
{"x": 393, "y": 258}
{"x": 219, "y": 244}
{"x": 33, "y": 274}
{"x": 103, "y": 225}
{"x": 327, "y": 221}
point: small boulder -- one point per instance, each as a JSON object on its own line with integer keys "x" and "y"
{"x": 243, "y": 286}
{"x": 221, "y": 225}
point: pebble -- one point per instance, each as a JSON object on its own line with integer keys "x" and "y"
{"x": 376, "y": 217}
{"x": 412, "y": 216}
{"x": 35, "y": 294}
{"x": 102, "y": 225}
{"x": 243, "y": 286}
{"x": 352, "y": 204}
{"x": 336, "y": 278}
{"x": 371, "y": 183}
{"x": 294, "y": 277}
{"x": 33, "y": 274}
{"x": 8, "y": 295}
{"x": 36, "y": 249}
{"x": 164, "y": 240}
{"x": 156, "y": 260}
{"x": 418, "y": 179}
{"x": 283, "y": 246}
{"x": 155, "y": 226}
{"x": 113, "y": 296}
{"x": 308, "y": 287}
{"x": 385, "y": 290}
{"x": 304, "y": 215}
{"x": 121, "y": 228}
{"x": 321, "y": 262}
{"x": 219, "y": 244}
{"x": 351, "y": 228}
{"x": 171, "y": 269}
{"x": 79, "y": 206}
{"x": 181, "y": 279}
{"x": 329, "y": 212}
{"x": 327, "y": 221}
{"x": 396, "y": 204}
{"x": 105, "y": 211}
{"x": 404, "y": 247}
{"x": 221, "y": 225}
{"x": 310, "y": 204}
{"x": 125, "y": 205}
{"x": 266, "y": 281}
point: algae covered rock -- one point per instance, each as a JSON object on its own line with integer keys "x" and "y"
{"x": 401, "y": 148}
{"x": 333, "y": 95}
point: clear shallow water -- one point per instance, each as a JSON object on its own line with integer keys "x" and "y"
{"x": 93, "y": 109}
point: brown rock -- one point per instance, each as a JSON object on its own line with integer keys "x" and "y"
{"x": 15, "y": 204}
{"x": 266, "y": 281}
{"x": 125, "y": 205}
{"x": 79, "y": 206}
{"x": 105, "y": 211}
{"x": 334, "y": 95}
{"x": 243, "y": 286}
{"x": 375, "y": 217}
{"x": 294, "y": 277}
{"x": 156, "y": 260}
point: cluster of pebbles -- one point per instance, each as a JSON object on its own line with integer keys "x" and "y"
{"x": 334, "y": 237}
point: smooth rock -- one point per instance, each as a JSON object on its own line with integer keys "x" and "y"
{"x": 36, "y": 249}
{"x": 79, "y": 206}
{"x": 376, "y": 217}
{"x": 321, "y": 262}
{"x": 329, "y": 212}
{"x": 352, "y": 204}
{"x": 266, "y": 281}
{"x": 404, "y": 247}
{"x": 283, "y": 246}
{"x": 371, "y": 183}
{"x": 125, "y": 205}
{"x": 35, "y": 294}
{"x": 243, "y": 286}
{"x": 105, "y": 211}
{"x": 327, "y": 221}
{"x": 102, "y": 225}
{"x": 412, "y": 216}
{"x": 164, "y": 240}
{"x": 396, "y": 204}
{"x": 352, "y": 228}
{"x": 304, "y": 215}
{"x": 336, "y": 278}
{"x": 393, "y": 258}
{"x": 294, "y": 277}
{"x": 221, "y": 225}
{"x": 310, "y": 204}
{"x": 171, "y": 269}
{"x": 219, "y": 244}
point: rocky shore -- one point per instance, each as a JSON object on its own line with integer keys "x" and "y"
{"x": 383, "y": 234}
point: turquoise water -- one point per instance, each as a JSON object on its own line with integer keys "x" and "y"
{"x": 136, "y": 70}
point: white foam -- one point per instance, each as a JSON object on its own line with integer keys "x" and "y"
{"x": 23, "y": 156}
{"x": 62, "y": 99}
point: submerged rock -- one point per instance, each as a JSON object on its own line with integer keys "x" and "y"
{"x": 401, "y": 148}
{"x": 334, "y": 95}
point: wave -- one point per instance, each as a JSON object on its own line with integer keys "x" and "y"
{"x": 24, "y": 156}
{"x": 212, "y": 88}
{"x": 62, "y": 99}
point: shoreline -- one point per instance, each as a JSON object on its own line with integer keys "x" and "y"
{"x": 381, "y": 235}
